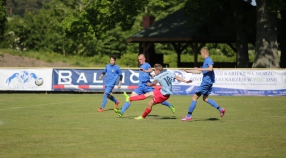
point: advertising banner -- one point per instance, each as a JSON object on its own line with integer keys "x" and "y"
{"x": 236, "y": 82}
{"x": 227, "y": 82}
{"x": 24, "y": 79}
{"x": 88, "y": 80}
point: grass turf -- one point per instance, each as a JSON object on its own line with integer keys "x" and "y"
{"x": 67, "y": 125}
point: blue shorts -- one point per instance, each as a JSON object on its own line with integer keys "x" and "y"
{"x": 204, "y": 89}
{"x": 108, "y": 89}
{"x": 141, "y": 89}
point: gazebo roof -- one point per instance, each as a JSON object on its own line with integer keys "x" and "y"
{"x": 176, "y": 28}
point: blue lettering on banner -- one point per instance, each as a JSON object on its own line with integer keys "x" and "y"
{"x": 75, "y": 79}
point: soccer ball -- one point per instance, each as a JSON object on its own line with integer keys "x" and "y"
{"x": 39, "y": 81}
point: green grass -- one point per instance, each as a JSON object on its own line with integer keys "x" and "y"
{"x": 67, "y": 125}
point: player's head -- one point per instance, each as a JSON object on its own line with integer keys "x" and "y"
{"x": 205, "y": 52}
{"x": 141, "y": 59}
{"x": 112, "y": 59}
{"x": 158, "y": 68}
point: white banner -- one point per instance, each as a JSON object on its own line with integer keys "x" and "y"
{"x": 236, "y": 82}
{"x": 24, "y": 79}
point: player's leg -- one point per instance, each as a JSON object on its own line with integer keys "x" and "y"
{"x": 141, "y": 96}
{"x": 212, "y": 102}
{"x": 193, "y": 103}
{"x": 157, "y": 92}
{"x": 165, "y": 103}
{"x": 126, "y": 105}
{"x": 107, "y": 91}
{"x": 112, "y": 98}
{"x": 147, "y": 111}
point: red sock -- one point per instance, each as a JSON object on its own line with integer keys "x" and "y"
{"x": 146, "y": 112}
{"x": 137, "y": 97}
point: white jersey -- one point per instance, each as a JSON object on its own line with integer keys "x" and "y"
{"x": 165, "y": 79}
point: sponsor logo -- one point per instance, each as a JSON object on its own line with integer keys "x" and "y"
{"x": 22, "y": 80}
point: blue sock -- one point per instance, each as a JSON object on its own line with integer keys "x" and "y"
{"x": 104, "y": 100}
{"x": 113, "y": 99}
{"x": 125, "y": 107}
{"x": 214, "y": 104}
{"x": 192, "y": 108}
{"x": 166, "y": 103}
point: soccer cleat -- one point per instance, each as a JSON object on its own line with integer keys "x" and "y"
{"x": 118, "y": 112}
{"x": 116, "y": 105}
{"x": 139, "y": 118}
{"x": 222, "y": 112}
{"x": 100, "y": 110}
{"x": 172, "y": 109}
{"x": 186, "y": 118}
{"x": 127, "y": 98}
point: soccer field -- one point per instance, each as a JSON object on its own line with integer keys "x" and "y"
{"x": 67, "y": 125}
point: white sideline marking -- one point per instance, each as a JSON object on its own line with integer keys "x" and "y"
{"x": 36, "y": 105}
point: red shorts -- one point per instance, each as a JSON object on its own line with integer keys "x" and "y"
{"x": 159, "y": 97}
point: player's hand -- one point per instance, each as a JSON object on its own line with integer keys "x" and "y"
{"x": 149, "y": 84}
{"x": 186, "y": 71}
{"x": 190, "y": 81}
{"x": 119, "y": 85}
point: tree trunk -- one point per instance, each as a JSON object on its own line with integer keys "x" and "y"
{"x": 283, "y": 40}
{"x": 241, "y": 34}
{"x": 266, "y": 53}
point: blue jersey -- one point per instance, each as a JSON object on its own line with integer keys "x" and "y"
{"x": 208, "y": 76}
{"x": 112, "y": 73}
{"x": 144, "y": 77}
{"x": 165, "y": 79}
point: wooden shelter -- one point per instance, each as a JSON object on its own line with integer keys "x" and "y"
{"x": 176, "y": 30}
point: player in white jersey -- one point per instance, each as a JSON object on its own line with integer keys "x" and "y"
{"x": 159, "y": 95}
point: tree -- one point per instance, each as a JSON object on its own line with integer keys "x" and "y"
{"x": 3, "y": 19}
{"x": 282, "y": 43}
{"x": 231, "y": 13}
{"x": 20, "y": 7}
{"x": 279, "y": 6}
{"x": 266, "y": 47}
{"x": 242, "y": 13}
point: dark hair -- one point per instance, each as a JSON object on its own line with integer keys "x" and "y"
{"x": 113, "y": 57}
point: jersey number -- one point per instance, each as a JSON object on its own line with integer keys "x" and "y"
{"x": 168, "y": 80}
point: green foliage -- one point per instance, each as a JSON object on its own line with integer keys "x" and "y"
{"x": 20, "y": 7}
{"x": 3, "y": 19}
{"x": 95, "y": 29}
{"x": 128, "y": 59}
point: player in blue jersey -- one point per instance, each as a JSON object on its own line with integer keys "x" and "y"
{"x": 165, "y": 79}
{"x": 111, "y": 72}
{"x": 206, "y": 86}
{"x": 144, "y": 78}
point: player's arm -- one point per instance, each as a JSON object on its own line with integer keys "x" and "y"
{"x": 103, "y": 73}
{"x": 154, "y": 83}
{"x": 120, "y": 81}
{"x": 149, "y": 70}
{"x": 210, "y": 68}
{"x": 182, "y": 80}
{"x": 193, "y": 71}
